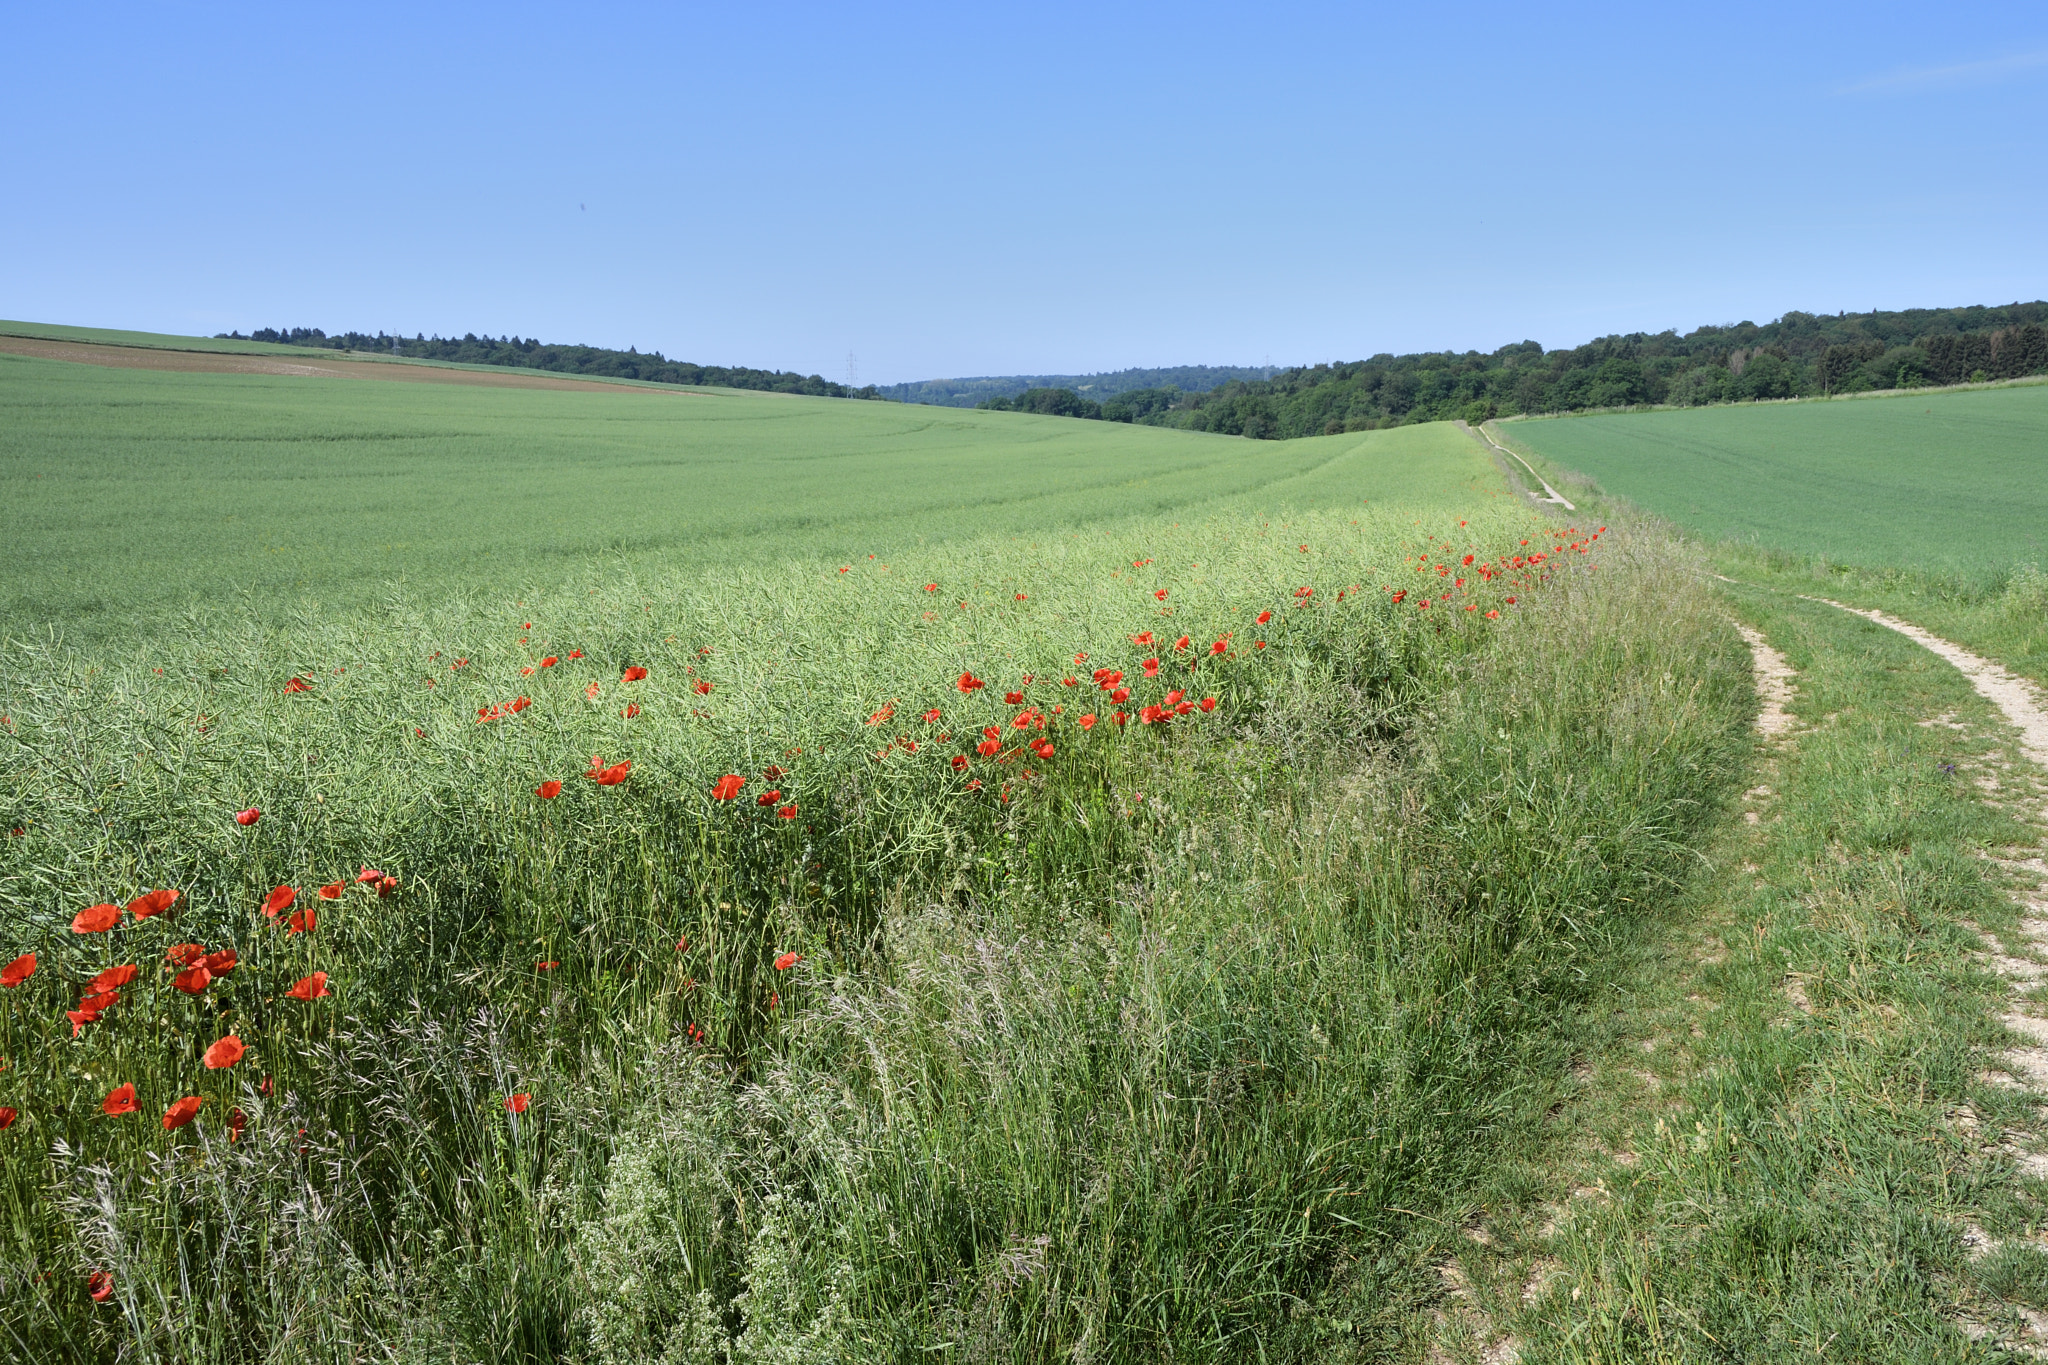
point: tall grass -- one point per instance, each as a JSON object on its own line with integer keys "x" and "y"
{"x": 1179, "y": 1043}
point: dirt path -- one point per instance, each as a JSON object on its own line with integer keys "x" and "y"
{"x": 219, "y": 362}
{"x": 1774, "y": 678}
{"x": 2022, "y": 703}
{"x": 1549, "y": 494}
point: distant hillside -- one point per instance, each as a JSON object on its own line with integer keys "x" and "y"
{"x": 967, "y": 393}
{"x": 651, "y": 366}
{"x": 1799, "y": 355}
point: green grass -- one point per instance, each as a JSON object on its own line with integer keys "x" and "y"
{"x": 125, "y": 495}
{"x": 1951, "y": 483}
{"x": 163, "y": 341}
{"x": 1184, "y": 1041}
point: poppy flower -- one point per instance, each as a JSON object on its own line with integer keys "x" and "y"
{"x": 7, "y": 1117}
{"x": 788, "y": 960}
{"x": 1208, "y": 703}
{"x": 1511, "y": 601}
{"x": 701, "y": 688}
{"x": 310, "y": 987}
{"x": 113, "y": 978}
{"x": 516, "y": 1104}
{"x": 575, "y": 653}
{"x": 100, "y": 1285}
{"x": 931, "y": 717}
{"x": 185, "y": 954}
{"x": 1043, "y": 748}
{"x": 297, "y": 685}
{"x": 633, "y": 674}
{"x": 302, "y": 922}
{"x": 224, "y": 1053}
{"x": 100, "y": 1000}
{"x": 194, "y": 980}
{"x": 182, "y": 1112}
{"x": 18, "y": 971}
{"x": 612, "y": 776}
{"x": 548, "y": 790}
{"x": 727, "y": 787}
{"x": 1182, "y": 643}
{"x": 518, "y": 704}
{"x": 931, "y": 587}
{"x": 248, "y": 817}
{"x": 152, "y": 903}
{"x": 1493, "y": 615}
{"x": 385, "y": 886}
{"x": 80, "y": 1017}
{"x": 548, "y": 662}
{"x": 1120, "y": 695}
{"x": 1087, "y": 722}
{"x": 222, "y": 962}
{"x": 768, "y": 798}
{"x": 1151, "y": 667}
{"x": 1160, "y": 595}
{"x": 1012, "y": 698}
{"x": 280, "y": 899}
{"x": 237, "y": 1121}
{"x": 959, "y": 763}
{"x": 1147, "y": 715}
{"x": 330, "y": 892}
{"x": 1399, "y": 596}
{"x": 96, "y": 919}
{"x": 786, "y": 812}
{"x": 632, "y": 710}
{"x": 526, "y": 671}
{"x": 266, "y": 1087}
{"x": 546, "y": 966}
{"x": 119, "y": 1100}
{"x": 1143, "y": 637}
{"x": 1020, "y": 597}
{"x": 592, "y": 691}
{"x": 989, "y": 748}
{"x": 969, "y": 683}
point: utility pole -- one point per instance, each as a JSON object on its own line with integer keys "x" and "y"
{"x": 852, "y": 370}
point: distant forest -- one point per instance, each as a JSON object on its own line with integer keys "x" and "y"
{"x": 1800, "y": 355}
{"x": 967, "y": 393}
{"x": 529, "y": 354}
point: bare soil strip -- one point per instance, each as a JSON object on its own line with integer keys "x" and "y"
{"x": 1549, "y": 494}
{"x": 1774, "y": 678}
{"x": 214, "y": 362}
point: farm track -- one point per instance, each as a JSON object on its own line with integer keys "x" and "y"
{"x": 1550, "y": 495}
{"x": 211, "y": 362}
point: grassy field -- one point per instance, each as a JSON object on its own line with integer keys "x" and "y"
{"x": 125, "y": 496}
{"x": 1953, "y": 483}
{"x": 1176, "y": 1014}
{"x": 107, "y": 336}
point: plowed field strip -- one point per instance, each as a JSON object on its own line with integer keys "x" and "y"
{"x": 209, "y": 362}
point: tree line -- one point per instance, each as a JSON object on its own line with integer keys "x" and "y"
{"x": 974, "y": 392}
{"x": 529, "y": 354}
{"x": 1800, "y": 355}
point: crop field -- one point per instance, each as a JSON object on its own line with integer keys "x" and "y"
{"x": 1952, "y": 482}
{"x": 500, "y": 875}
{"x": 125, "y": 495}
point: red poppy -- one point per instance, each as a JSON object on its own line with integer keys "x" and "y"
{"x": 548, "y": 662}
{"x": 768, "y": 798}
{"x": 1147, "y": 715}
{"x": 1493, "y": 616}
{"x": 182, "y": 1112}
{"x": 1160, "y": 595}
{"x": 18, "y": 971}
{"x": 310, "y": 987}
{"x": 184, "y": 954}
{"x": 152, "y": 903}
{"x": 195, "y": 980}
{"x": 931, "y": 587}
{"x": 1012, "y": 698}
{"x": 548, "y": 790}
{"x": 237, "y": 1121}
{"x": 989, "y": 748}
{"x": 1208, "y": 703}
{"x": 119, "y": 1100}
{"x": 113, "y": 978}
{"x": 224, "y": 1053}
{"x": 248, "y": 817}
{"x": 1043, "y": 748}
{"x": 7, "y": 1117}
{"x": 330, "y": 892}
{"x": 100, "y": 1001}
{"x": 1151, "y": 667}
{"x": 222, "y": 962}
{"x": 632, "y": 710}
{"x": 1087, "y": 722}
{"x": 302, "y": 922}
{"x": 931, "y": 717}
{"x": 100, "y": 1285}
{"x": 969, "y": 683}
{"x": 1120, "y": 695}
{"x": 546, "y": 966}
{"x": 1182, "y": 643}
{"x": 959, "y": 763}
{"x": 727, "y": 787}
{"x": 786, "y": 812}
{"x": 266, "y": 1087}
{"x": 1020, "y": 597}
{"x": 279, "y": 899}
{"x": 297, "y": 685}
{"x": 80, "y": 1017}
{"x": 1143, "y": 637}
{"x": 1511, "y": 601}
{"x": 1400, "y": 595}
{"x": 526, "y": 671}
{"x": 612, "y": 776}
{"x": 592, "y": 691}
{"x": 701, "y": 688}
{"x": 788, "y": 960}
{"x": 368, "y": 874}
{"x": 633, "y": 674}
{"x": 517, "y": 1104}
{"x": 96, "y": 919}
{"x": 575, "y": 653}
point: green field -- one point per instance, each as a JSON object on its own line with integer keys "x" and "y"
{"x": 109, "y": 336}
{"x": 126, "y": 493}
{"x": 1953, "y": 482}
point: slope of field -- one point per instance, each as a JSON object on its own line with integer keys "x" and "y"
{"x": 1953, "y": 482}
{"x": 163, "y": 341}
{"x": 133, "y": 492}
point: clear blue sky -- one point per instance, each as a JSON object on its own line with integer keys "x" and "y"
{"x": 955, "y": 190}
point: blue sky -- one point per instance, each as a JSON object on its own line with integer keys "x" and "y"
{"x": 951, "y": 190}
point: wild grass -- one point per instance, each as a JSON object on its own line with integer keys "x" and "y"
{"x": 1183, "y": 1042}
